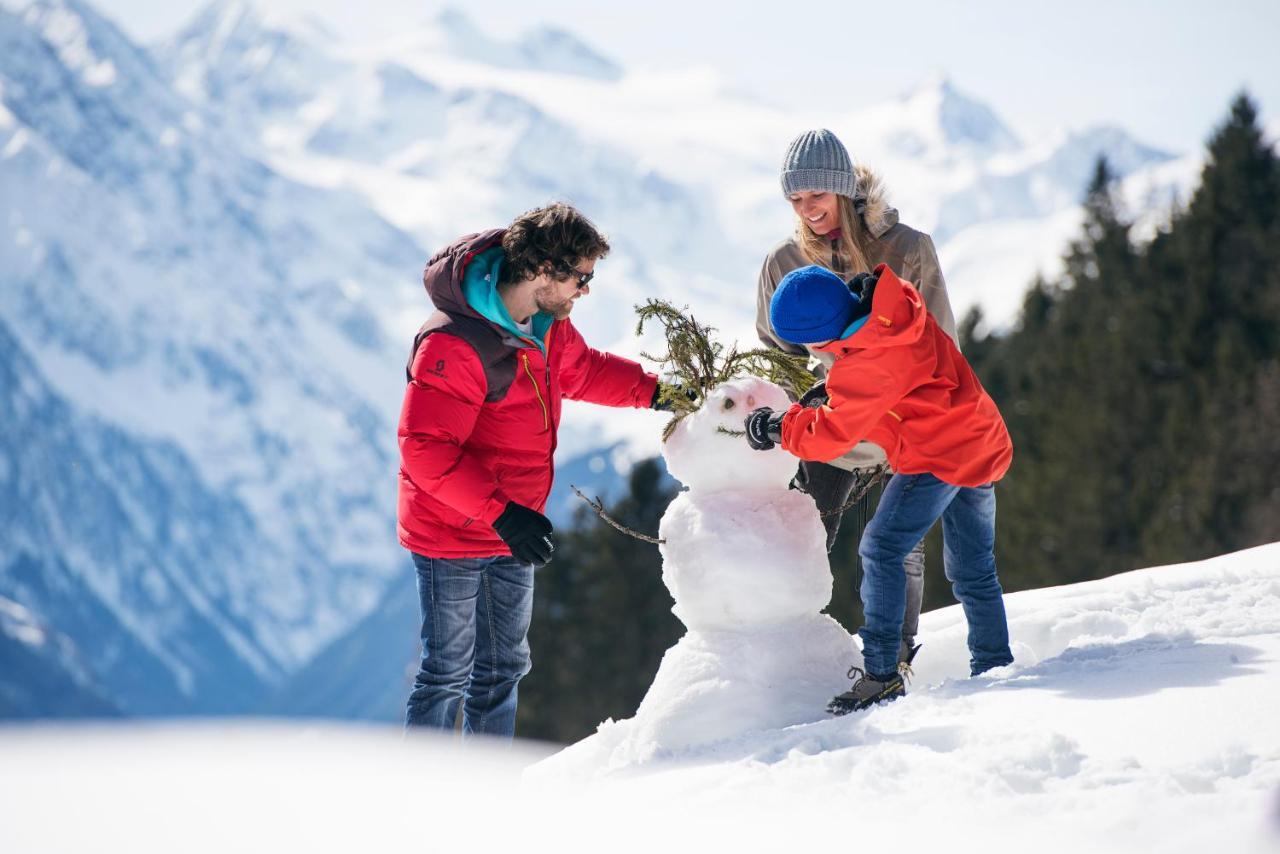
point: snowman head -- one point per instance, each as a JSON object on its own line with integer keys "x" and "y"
{"x": 708, "y": 452}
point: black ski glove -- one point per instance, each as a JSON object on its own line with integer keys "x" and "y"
{"x": 816, "y": 395}
{"x": 764, "y": 428}
{"x": 527, "y": 532}
{"x": 670, "y": 391}
{"x": 863, "y": 285}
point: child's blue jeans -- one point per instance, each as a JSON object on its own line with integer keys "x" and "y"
{"x": 910, "y": 505}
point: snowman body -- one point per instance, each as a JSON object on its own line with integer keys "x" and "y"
{"x": 745, "y": 560}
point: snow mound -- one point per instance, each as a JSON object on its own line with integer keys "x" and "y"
{"x": 1139, "y": 715}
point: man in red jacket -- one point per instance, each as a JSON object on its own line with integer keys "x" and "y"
{"x": 477, "y": 441}
{"x": 899, "y": 381}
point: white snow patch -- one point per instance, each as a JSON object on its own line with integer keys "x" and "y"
{"x": 100, "y": 74}
{"x": 16, "y": 143}
{"x": 20, "y": 624}
{"x": 989, "y": 266}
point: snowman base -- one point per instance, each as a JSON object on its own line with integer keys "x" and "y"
{"x": 713, "y": 686}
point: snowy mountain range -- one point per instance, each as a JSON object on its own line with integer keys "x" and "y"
{"x": 210, "y": 275}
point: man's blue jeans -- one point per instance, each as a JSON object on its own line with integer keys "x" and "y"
{"x": 475, "y": 642}
{"x": 909, "y": 507}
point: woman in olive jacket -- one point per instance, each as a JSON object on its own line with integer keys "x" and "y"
{"x": 844, "y": 223}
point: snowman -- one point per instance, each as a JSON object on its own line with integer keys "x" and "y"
{"x": 745, "y": 560}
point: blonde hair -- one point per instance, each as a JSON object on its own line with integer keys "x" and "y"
{"x": 854, "y": 241}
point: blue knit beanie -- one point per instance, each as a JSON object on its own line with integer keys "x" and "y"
{"x": 811, "y": 304}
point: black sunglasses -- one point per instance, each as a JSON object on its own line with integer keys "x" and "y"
{"x": 568, "y": 272}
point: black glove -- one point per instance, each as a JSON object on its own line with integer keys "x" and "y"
{"x": 863, "y": 285}
{"x": 764, "y": 428}
{"x": 527, "y": 532}
{"x": 691, "y": 394}
{"x": 816, "y": 395}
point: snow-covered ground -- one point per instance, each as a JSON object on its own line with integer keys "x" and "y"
{"x": 1140, "y": 716}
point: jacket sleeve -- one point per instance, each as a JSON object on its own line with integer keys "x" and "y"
{"x": 921, "y": 267}
{"x": 860, "y": 395}
{"x": 441, "y": 404}
{"x": 596, "y": 377}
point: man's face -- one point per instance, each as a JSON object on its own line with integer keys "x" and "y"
{"x": 559, "y": 290}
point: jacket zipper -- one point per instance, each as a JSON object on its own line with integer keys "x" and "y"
{"x": 546, "y": 413}
{"x": 551, "y": 459}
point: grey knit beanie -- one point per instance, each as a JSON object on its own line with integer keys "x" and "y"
{"x": 817, "y": 160}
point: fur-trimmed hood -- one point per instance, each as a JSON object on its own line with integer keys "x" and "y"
{"x": 871, "y": 202}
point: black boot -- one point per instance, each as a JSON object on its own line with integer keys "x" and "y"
{"x": 868, "y": 689}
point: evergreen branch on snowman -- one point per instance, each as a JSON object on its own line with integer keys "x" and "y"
{"x": 696, "y": 363}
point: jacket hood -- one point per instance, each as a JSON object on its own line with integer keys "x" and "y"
{"x": 443, "y": 276}
{"x": 872, "y": 203}
{"x": 462, "y": 279}
{"x": 897, "y": 317}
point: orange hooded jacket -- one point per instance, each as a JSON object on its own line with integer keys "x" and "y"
{"x": 899, "y": 381}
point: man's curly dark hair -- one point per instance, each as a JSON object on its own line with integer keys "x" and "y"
{"x": 557, "y": 234}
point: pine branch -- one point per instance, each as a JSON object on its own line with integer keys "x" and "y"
{"x": 695, "y": 361}
{"x": 776, "y": 366}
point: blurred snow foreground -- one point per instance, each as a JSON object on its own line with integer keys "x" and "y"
{"x": 1140, "y": 715}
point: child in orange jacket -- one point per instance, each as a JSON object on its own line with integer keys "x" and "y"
{"x": 899, "y": 381}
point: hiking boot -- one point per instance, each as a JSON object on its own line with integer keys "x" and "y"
{"x": 868, "y": 689}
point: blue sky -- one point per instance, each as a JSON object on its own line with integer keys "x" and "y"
{"x": 1165, "y": 71}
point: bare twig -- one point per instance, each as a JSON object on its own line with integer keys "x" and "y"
{"x": 598, "y": 506}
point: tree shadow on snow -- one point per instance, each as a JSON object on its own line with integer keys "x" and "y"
{"x": 1130, "y": 668}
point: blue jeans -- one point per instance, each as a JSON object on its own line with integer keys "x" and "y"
{"x": 909, "y": 507}
{"x": 475, "y": 643}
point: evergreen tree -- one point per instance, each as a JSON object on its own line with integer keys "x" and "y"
{"x": 1218, "y": 275}
{"x": 1136, "y": 387}
{"x": 601, "y": 619}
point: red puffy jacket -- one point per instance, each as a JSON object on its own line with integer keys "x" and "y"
{"x": 899, "y": 381}
{"x": 467, "y": 448}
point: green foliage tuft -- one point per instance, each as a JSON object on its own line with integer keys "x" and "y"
{"x": 696, "y": 361}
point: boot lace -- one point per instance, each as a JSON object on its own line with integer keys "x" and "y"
{"x": 904, "y": 670}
